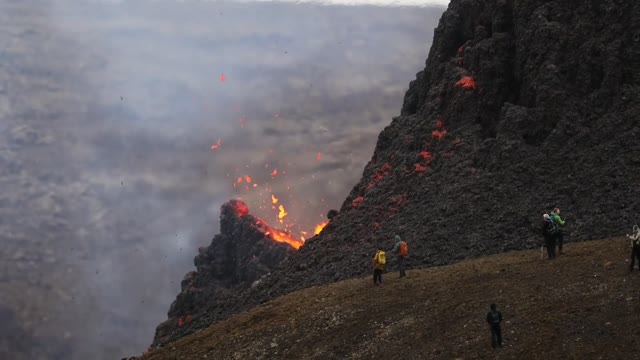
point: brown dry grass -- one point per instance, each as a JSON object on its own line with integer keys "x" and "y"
{"x": 579, "y": 306}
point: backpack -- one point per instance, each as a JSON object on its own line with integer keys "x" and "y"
{"x": 382, "y": 258}
{"x": 404, "y": 251}
{"x": 551, "y": 227}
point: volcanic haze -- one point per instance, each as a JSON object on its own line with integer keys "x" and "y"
{"x": 124, "y": 126}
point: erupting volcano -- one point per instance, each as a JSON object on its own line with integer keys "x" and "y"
{"x": 280, "y": 235}
{"x": 258, "y": 187}
{"x": 522, "y": 106}
{"x": 270, "y": 190}
{"x": 246, "y": 250}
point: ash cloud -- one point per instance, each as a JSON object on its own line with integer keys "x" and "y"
{"x": 107, "y": 114}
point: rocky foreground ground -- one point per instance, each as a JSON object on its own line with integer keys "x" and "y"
{"x": 583, "y": 305}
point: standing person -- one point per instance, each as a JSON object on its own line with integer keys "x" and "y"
{"x": 401, "y": 249}
{"x": 549, "y": 230}
{"x": 635, "y": 246}
{"x": 379, "y": 261}
{"x": 555, "y": 216}
{"x": 494, "y": 318}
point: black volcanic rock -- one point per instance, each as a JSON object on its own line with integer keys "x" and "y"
{"x": 236, "y": 258}
{"x": 522, "y": 106}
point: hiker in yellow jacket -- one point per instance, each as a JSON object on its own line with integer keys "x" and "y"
{"x": 379, "y": 261}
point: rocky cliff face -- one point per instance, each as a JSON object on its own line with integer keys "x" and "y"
{"x": 523, "y": 105}
{"x": 236, "y": 259}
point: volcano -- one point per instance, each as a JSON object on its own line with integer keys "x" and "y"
{"x": 522, "y": 106}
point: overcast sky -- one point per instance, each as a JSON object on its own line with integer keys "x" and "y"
{"x": 412, "y": 3}
{"x": 108, "y": 114}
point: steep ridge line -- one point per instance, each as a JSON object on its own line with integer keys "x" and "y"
{"x": 583, "y": 305}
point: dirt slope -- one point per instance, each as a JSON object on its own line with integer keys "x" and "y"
{"x": 581, "y": 306}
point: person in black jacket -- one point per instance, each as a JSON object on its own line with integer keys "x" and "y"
{"x": 494, "y": 318}
{"x": 549, "y": 231}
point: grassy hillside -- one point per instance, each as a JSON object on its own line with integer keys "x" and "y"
{"x": 580, "y": 306}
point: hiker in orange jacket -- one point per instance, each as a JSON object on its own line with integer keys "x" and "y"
{"x": 379, "y": 261}
{"x": 401, "y": 249}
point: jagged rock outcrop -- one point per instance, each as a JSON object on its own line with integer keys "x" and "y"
{"x": 523, "y": 105}
{"x": 236, "y": 259}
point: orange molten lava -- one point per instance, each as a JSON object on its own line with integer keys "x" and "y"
{"x": 279, "y": 235}
{"x": 216, "y": 145}
{"x": 357, "y": 201}
{"x": 439, "y": 134}
{"x": 319, "y": 228}
{"x": 467, "y": 82}
{"x": 241, "y": 209}
{"x": 283, "y": 237}
{"x": 420, "y": 168}
{"x": 282, "y": 213}
{"x": 274, "y": 199}
{"x": 425, "y": 155}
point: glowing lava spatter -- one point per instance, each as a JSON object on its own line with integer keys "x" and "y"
{"x": 282, "y": 213}
{"x": 279, "y": 235}
{"x": 319, "y": 228}
{"x": 467, "y": 82}
{"x": 269, "y": 200}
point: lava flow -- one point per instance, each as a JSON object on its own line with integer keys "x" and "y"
{"x": 283, "y": 236}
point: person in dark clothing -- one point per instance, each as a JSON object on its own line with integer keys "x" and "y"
{"x": 494, "y": 318}
{"x": 635, "y": 246}
{"x": 549, "y": 230}
{"x": 555, "y": 216}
